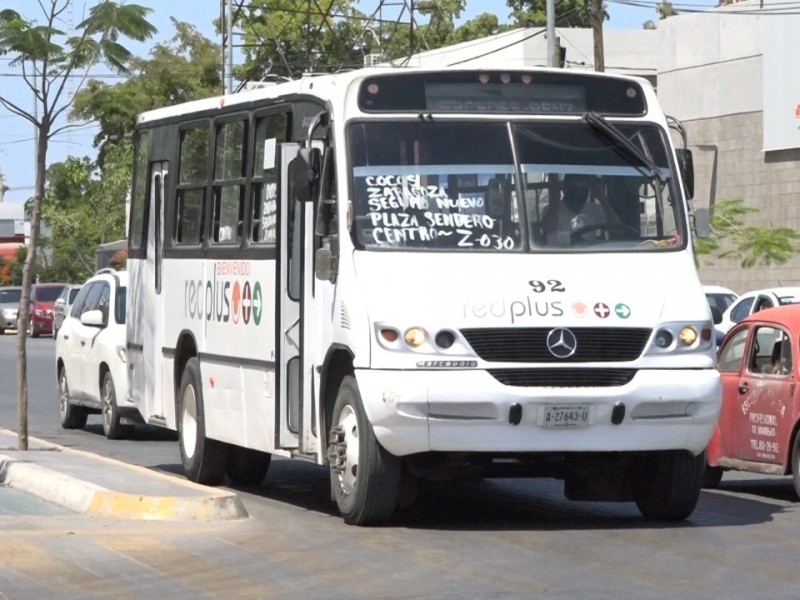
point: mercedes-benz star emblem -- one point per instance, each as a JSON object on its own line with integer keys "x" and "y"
{"x": 561, "y": 342}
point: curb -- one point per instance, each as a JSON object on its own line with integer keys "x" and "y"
{"x": 91, "y": 499}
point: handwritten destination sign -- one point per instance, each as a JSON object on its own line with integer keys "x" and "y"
{"x": 404, "y": 209}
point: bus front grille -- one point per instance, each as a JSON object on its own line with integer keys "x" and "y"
{"x": 563, "y": 377}
{"x": 529, "y": 344}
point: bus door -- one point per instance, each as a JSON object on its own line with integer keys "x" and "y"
{"x": 296, "y": 424}
{"x": 145, "y": 330}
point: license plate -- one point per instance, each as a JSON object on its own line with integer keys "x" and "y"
{"x": 573, "y": 416}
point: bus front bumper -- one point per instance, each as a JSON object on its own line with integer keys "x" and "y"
{"x": 470, "y": 411}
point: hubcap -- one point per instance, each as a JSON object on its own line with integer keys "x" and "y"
{"x": 189, "y": 422}
{"x": 63, "y": 396}
{"x": 343, "y": 450}
{"x": 108, "y": 409}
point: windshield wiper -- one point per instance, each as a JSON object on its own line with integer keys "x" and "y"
{"x": 599, "y": 123}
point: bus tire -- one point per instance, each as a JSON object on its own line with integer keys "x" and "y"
{"x": 204, "y": 460}
{"x": 669, "y": 486}
{"x": 247, "y": 466}
{"x": 112, "y": 427}
{"x": 71, "y": 416}
{"x": 365, "y": 478}
{"x": 795, "y": 458}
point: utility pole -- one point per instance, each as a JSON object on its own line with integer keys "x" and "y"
{"x": 552, "y": 59}
{"x": 597, "y": 13}
{"x": 229, "y": 36}
{"x": 226, "y": 18}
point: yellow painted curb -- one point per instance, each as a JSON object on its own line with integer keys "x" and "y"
{"x": 129, "y": 506}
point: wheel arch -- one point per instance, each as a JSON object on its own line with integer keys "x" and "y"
{"x": 103, "y": 368}
{"x": 337, "y": 365}
{"x": 185, "y": 349}
{"x": 787, "y": 467}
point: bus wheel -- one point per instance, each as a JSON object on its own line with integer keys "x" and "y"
{"x": 796, "y": 462}
{"x": 203, "y": 459}
{"x": 113, "y": 429}
{"x": 669, "y": 486}
{"x": 72, "y": 417}
{"x": 365, "y": 478}
{"x": 246, "y": 466}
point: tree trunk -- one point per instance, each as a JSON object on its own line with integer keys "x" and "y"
{"x": 28, "y": 273}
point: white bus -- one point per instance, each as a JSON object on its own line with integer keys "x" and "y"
{"x": 359, "y": 270}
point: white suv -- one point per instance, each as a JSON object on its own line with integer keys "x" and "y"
{"x": 90, "y": 357}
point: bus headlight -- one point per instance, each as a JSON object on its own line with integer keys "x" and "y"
{"x": 688, "y": 335}
{"x": 415, "y": 336}
{"x": 694, "y": 336}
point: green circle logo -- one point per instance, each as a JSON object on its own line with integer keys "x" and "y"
{"x": 258, "y": 305}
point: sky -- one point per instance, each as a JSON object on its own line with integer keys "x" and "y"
{"x": 16, "y": 134}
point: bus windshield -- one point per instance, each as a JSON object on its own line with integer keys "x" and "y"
{"x": 513, "y": 187}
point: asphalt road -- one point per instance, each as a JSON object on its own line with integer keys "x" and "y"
{"x": 487, "y": 539}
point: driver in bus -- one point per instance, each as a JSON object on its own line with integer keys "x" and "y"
{"x": 581, "y": 213}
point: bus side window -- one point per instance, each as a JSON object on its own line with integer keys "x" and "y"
{"x": 192, "y": 177}
{"x": 270, "y": 131}
{"x": 229, "y": 182}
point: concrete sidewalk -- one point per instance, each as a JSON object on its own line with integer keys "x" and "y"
{"x": 103, "y": 487}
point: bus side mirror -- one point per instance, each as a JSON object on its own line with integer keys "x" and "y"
{"x": 686, "y": 165}
{"x": 304, "y": 174}
{"x": 702, "y": 223}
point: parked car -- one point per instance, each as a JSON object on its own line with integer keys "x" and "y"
{"x": 719, "y": 298}
{"x": 9, "y": 307}
{"x": 757, "y": 430}
{"x": 90, "y": 357}
{"x": 62, "y": 305}
{"x": 754, "y": 301}
{"x": 43, "y": 297}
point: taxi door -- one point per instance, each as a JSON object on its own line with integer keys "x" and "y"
{"x": 765, "y": 393}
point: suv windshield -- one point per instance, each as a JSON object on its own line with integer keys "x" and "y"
{"x": 456, "y": 186}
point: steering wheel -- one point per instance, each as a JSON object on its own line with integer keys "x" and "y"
{"x": 576, "y": 236}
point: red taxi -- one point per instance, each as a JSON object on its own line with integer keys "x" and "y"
{"x": 758, "y": 425}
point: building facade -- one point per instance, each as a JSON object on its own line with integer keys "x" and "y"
{"x": 733, "y": 78}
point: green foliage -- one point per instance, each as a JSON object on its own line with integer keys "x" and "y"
{"x": 749, "y": 244}
{"x": 665, "y": 10}
{"x": 83, "y": 207}
{"x": 285, "y": 38}
{"x": 184, "y": 68}
{"x": 569, "y": 13}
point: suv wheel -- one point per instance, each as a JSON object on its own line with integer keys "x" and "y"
{"x": 112, "y": 427}
{"x": 72, "y": 417}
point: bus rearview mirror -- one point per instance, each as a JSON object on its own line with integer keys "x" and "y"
{"x": 686, "y": 165}
{"x": 702, "y": 223}
{"x": 303, "y": 174}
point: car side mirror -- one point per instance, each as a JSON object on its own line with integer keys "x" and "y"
{"x": 93, "y": 318}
